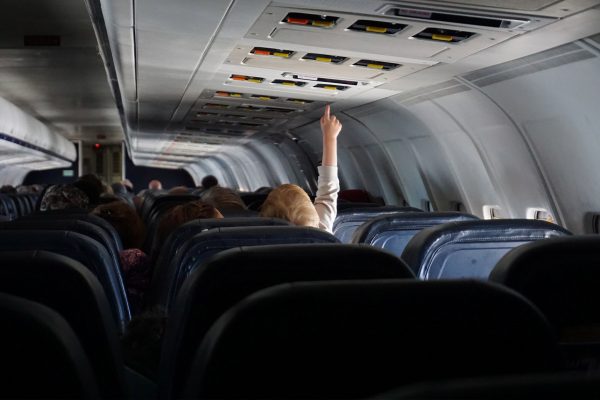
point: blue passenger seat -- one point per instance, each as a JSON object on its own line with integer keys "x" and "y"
{"x": 169, "y": 276}
{"x": 70, "y": 289}
{"x": 8, "y": 207}
{"x": 81, "y": 248}
{"x": 230, "y": 276}
{"x": 80, "y": 215}
{"x": 73, "y": 225}
{"x": 348, "y": 220}
{"x": 167, "y": 251}
{"x": 561, "y": 276}
{"x": 393, "y": 232}
{"x": 41, "y": 355}
{"x": 355, "y": 339}
{"x": 471, "y": 249}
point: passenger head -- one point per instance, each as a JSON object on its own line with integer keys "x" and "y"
{"x": 290, "y": 202}
{"x": 128, "y": 185}
{"x": 155, "y": 184}
{"x": 209, "y": 181}
{"x": 8, "y": 189}
{"x": 61, "y": 197}
{"x": 179, "y": 190}
{"x": 223, "y": 198}
{"x": 126, "y": 222}
{"x": 181, "y": 214}
{"x": 118, "y": 188}
{"x": 92, "y": 186}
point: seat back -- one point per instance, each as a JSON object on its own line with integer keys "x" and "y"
{"x": 164, "y": 202}
{"x": 41, "y": 354}
{"x": 230, "y": 276}
{"x": 74, "y": 225}
{"x": 471, "y": 249}
{"x": 205, "y": 244}
{"x": 81, "y": 248}
{"x": 81, "y": 215}
{"x": 71, "y": 290}
{"x": 537, "y": 386}
{"x": 393, "y": 232}
{"x": 8, "y": 207}
{"x": 348, "y": 220}
{"x": 561, "y": 277}
{"x": 186, "y": 231}
{"x": 356, "y": 339}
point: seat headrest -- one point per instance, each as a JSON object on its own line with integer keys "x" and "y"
{"x": 42, "y": 355}
{"x": 471, "y": 248}
{"x": 233, "y": 274}
{"x": 406, "y": 221}
{"x": 205, "y": 244}
{"x": 338, "y": 339}
{"x": 561, "y": 276}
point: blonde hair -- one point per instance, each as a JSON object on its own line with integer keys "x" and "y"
{"x": 290, "y": 202}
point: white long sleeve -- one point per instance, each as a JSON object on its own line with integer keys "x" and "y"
{"x": 327, "y": 193}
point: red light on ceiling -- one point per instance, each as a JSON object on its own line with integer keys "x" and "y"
{"x": 97, "y": 146}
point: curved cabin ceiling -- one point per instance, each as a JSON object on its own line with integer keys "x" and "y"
{"x": 195, "y": 79}
{"x": 50, "y": 68}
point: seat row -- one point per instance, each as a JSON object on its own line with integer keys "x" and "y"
{"x": 330, "y": 320}
{"x": 13, "y": 206}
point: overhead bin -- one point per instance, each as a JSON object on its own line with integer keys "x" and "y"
{"x": 32, "y": 142}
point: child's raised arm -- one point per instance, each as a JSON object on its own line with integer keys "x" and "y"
{"x": 331, "y": 127}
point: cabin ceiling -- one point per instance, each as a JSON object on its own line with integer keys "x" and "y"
{"x": 197, "y": 77}
{"x": 51, "y": 69}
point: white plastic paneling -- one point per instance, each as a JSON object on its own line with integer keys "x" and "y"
{"x": 561, "y": 121}
{"x": 19, "y": 125}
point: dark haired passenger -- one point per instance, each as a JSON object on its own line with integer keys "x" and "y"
{"x": 290, "y": 202}
{"x": 209, "y": 181}
{"x": 135, "y": 263}
{"x": 223, "y": 199}
{"x": 181, "y": 214}
{"x": 92, "y": 186}
{"x": 8, "y": 189}
{"x": 61, "y": 197}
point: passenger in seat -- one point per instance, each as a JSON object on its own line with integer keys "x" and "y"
{"x": 223, "y": 199}
{"x": 135, "y": 264}
{"x": 181, "y": 214}
{"x": 290, "y": 202}
{"x": 61, "y": 197}
{"x": 209, "y": 181}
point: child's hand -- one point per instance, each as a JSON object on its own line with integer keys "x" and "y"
{"x": 330, "y": 125}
